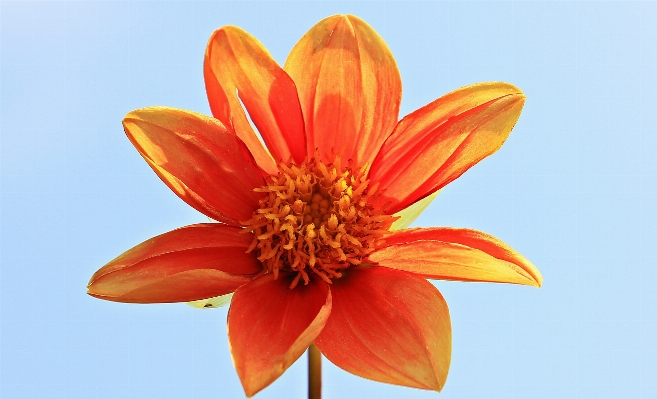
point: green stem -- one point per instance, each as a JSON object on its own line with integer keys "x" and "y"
{"x": 314, "y": 373}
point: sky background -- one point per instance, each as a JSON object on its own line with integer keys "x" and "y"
{"x": 573, "y": 189}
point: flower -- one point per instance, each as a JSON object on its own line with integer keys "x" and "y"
{"x": 312, "y": 238}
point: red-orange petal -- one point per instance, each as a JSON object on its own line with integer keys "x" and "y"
{"x": 456, "y": 254}
{"x": 194, "y": 262}
{"x": 440, "y": 141}
{"x": 349, "y": 87}
{"x": 388, "y": 326}
{"x": 238, "y": 67}
{"x": 271, "y": 325}
{"x": 204, "y": 163}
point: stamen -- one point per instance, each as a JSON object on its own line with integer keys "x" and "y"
{"x": 316, "y": 220}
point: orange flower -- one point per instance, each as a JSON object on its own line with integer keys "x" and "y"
{"x": 312, "y": 237}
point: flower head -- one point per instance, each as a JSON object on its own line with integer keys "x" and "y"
{"x": 312, "y": 238}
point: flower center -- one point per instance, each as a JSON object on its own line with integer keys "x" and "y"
{"x": 316, "y": 220}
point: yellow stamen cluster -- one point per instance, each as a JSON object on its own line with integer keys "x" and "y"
{"x": 316, "y": 220}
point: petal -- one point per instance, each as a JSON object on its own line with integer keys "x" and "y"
{"x": 349, "y": 87}
{"x": 388, "y": 326}
{"x": 408, "y": 215}
{"x": 437, "y": 143}
{"x": 456, "y": 254}
{"x": 210, "y": 303}
{"x": 193, "y": 262}
{"x": 238, "y": 65}
{"x": 199, "y": 159}
{"x": 271, "y": 325}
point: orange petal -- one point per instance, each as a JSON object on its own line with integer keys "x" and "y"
{"x": 193, "y": 262}
{"x": 349, "y": 87}
{"x": 388, "y": 326}
{"x": 199, "y": 159}
{"x": 437, "y": 143}
{"x": 238, "y": 65}
{"x": 271, "y": 325}
{"x": 456, "y": 254}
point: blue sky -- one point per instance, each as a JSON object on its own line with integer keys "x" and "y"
{"x": 573, "y": 189}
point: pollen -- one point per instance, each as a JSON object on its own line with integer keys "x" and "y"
{"x": 316, "y": 221}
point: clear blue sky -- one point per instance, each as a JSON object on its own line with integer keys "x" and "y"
{"x": 574, "y": 189}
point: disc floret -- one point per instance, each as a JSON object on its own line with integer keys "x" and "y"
{"x": 316, "y": 220}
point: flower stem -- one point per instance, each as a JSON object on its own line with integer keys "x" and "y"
{"x": 314, "y": 373}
